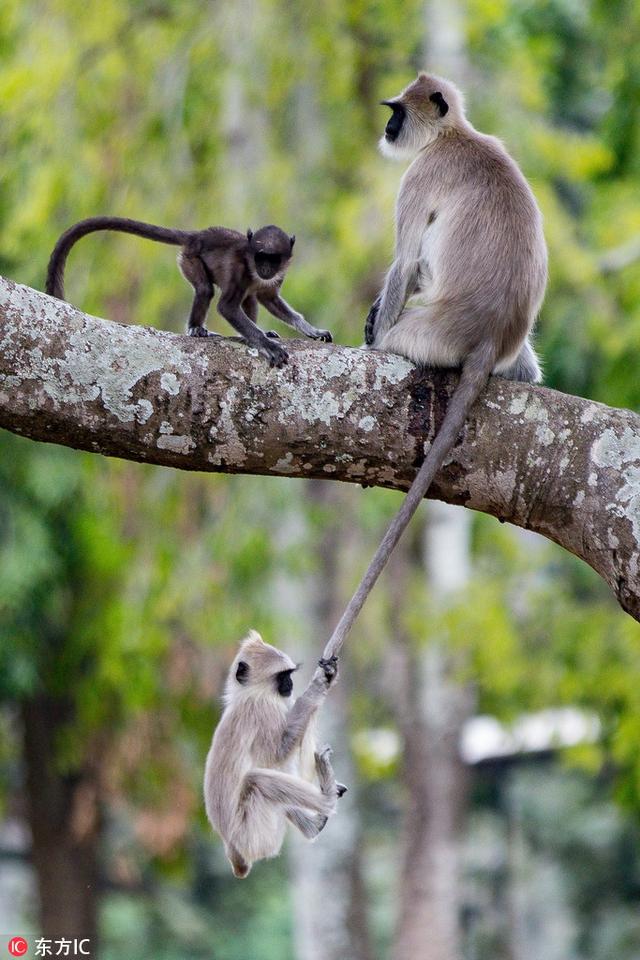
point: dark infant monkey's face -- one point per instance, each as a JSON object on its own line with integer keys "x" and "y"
{"x": 271, "y": 249}
{"x": 268, "y": 265}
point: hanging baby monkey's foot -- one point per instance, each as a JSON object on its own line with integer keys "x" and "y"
{"x": 328, "y": 783}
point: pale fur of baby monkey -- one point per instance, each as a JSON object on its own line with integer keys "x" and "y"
{"x": 263, "y": 769}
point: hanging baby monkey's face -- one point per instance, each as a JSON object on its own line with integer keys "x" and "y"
{"x": 282, "y": 680}
{"x": 260, "y": 668}
{"x": 284, "y": 683}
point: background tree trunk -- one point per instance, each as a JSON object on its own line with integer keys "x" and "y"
{"x": 435, "y": 707}
{"x": 63, "y": 816}
{"x": 328, "y": 890}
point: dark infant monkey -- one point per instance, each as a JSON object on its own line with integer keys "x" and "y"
{"x": 247, "y": 269}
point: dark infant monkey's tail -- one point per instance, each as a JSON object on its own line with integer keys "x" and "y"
{"x": 55, "y": 270}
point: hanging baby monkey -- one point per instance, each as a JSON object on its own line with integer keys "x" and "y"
{"x": 263, "y": 770}
{"x": 248, "y": 270}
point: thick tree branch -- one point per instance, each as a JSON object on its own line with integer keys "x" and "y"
{"x": 563, "y": 466}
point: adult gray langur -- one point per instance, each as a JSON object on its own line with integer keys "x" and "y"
{"x": 468, "y": 278}
{"x": 470, "y": 268}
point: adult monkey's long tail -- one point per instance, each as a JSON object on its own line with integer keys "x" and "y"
{"x": 58, "y": 259}
{"x": 475, "y": 374}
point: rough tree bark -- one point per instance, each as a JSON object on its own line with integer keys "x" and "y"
{"x": 560, "y": 465}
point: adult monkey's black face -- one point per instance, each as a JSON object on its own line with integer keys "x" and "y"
{"x": 394, "y": 126}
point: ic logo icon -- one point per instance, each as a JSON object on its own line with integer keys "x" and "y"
{"x": 17, "y": 946}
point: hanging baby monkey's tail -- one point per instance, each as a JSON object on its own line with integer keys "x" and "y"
{"x": 475, "y": 373}
{"x": 58, "y": 259}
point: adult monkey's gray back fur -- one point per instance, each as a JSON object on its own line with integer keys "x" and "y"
{"x": 468, "y": 277}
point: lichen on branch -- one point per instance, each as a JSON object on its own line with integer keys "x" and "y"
{"x": 560, "y": 465}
